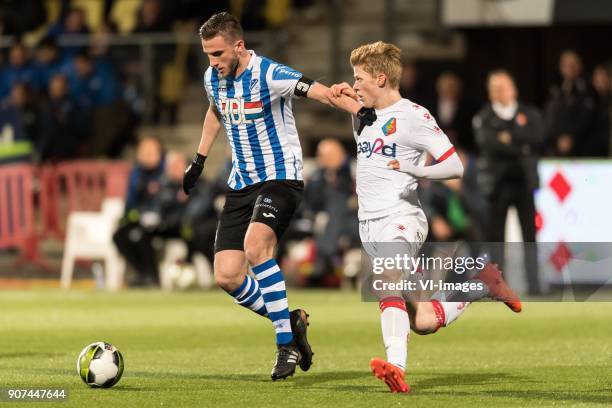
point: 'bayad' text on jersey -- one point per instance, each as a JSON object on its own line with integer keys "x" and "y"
{"x": 257, "y": 114}
{"x": 404, "y": 131}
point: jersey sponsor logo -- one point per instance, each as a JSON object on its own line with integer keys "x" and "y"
{"x": 237, "y": 111}
{"x": 390, "y": 127}
{"x": 377, "y": 147}
{"x": 282, "y": 72}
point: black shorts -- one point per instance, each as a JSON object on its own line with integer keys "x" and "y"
{"x": 270, "y": 202}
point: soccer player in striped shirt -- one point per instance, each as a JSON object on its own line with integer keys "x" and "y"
{"x": 251, "y": 97}
{"x": 391, "y": 154}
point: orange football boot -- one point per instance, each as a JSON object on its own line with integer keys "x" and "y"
{"x": 498, "y": 288}
{"x": 392, "y": 375}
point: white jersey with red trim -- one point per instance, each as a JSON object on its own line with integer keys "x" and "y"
{"x": 404, "y": 131}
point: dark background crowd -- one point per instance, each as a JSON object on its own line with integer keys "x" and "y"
{"x": 62, "y": 99}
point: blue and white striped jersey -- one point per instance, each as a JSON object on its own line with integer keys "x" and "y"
{"x": 258, "y": 118}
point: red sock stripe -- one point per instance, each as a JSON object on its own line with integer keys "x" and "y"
{"x": 446, "y": 154}
{"x": 396, "y": 302}
{"x": 439, "y": 311}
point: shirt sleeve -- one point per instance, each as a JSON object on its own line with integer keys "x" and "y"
{"x": 426, "y": 135}
{"x": 207, "y": 85}
{"x": 283, "y": 80}
{"x": 208, "y": 88}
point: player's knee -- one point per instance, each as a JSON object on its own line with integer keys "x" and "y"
{"x": 228, "y": 283}
{"x": 257, "y": 252}
{"x": 227, "y": 277}
{"x": 425, "y": 323}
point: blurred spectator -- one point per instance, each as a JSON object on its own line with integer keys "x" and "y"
{"x": 330, "y": 191}
{"x": 152, "y": 18}
{"x": 600, "y": 133}
{"x": 455, "y": 208}
{"x": 18, "y": 69}
{"x": 409, "y": 83}
{"x": 48, "y": 62}
{"x": 134, "y": 238}
{"x": 454, "y": 112}
{"x": 72, "y": 23}
{"x": 509, "y": 134}
{"x": 92, "y": 85}
{"x": 95, "y": 88}
{"x": 570, "y": 111}
{"x": 18, "y": 125}
{"x": 201, "y": 215}
{"x": 63, "y": 126}
{"x": 100, "y": 49}
{"x": 170, "y": 202}
{"x": 19, "y": 17}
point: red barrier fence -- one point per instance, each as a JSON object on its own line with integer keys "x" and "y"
{"x": 78, "y": 186}
{"x": 16, "y": 205}
{"x": 58, "y": 189}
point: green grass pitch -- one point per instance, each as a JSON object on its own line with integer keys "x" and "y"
{"x": 201, "y": 350}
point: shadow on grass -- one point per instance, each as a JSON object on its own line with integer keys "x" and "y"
{"x": 299, "y": 380}
{"x": 460, "y": 379}
{"x": 431, "y": 386}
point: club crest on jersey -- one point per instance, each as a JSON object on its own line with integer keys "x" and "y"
{"x": 237, "y": 111}
{"x": 378, "y": 146}
{"x": 253, "y": 84}
{"x": 389, "y": 128}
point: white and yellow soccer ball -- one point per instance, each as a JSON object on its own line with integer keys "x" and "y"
{"x": 100, "y": 364}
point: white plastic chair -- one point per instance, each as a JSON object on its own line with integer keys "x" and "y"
{"x": 90, "y": 235}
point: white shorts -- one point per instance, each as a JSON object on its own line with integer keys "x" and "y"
{"x": 402, "y": 233}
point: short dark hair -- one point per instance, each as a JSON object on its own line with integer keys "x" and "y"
{"x": 499, "y": 71}
{"x": 223, "y": 24}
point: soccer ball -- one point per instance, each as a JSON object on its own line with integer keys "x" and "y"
{"x": 100, "y": 364}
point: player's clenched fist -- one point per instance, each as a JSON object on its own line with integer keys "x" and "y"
{"x": 343, "y": 89}
{"x": 193, "y": 172}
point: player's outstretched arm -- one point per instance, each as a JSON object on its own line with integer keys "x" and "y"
{"x": 449, "y": 168}
{"x": 210, "y": 129}
{"x": 325, "y": 95}
{"x": 342, "y": 96}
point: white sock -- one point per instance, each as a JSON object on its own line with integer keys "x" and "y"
{"x": 450, "y": 311}
{"x": 395, "y": 326}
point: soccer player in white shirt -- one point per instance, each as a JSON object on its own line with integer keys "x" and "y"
{"x": 391, "y": 154}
